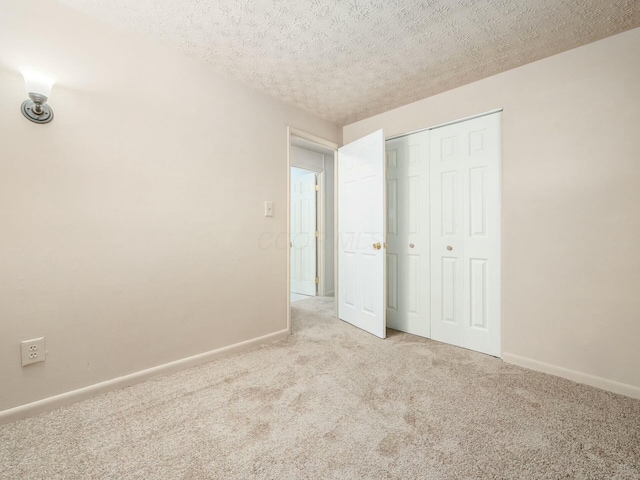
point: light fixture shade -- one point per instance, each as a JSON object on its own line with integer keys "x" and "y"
{"x": 37, "y": 81}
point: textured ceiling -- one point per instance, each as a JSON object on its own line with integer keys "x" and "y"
{"x": 349, "y": 59}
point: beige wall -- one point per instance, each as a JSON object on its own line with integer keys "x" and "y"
{"x": 131, "y": 224}
{"x": 571, "y": 205}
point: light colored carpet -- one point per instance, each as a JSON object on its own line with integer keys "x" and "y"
{"x": 296, "y": 297}
{"x": 332, "y": 401}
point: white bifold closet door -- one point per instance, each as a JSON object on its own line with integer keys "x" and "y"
{"x": 465, "y": 234}
{"x": 408, "y": 234}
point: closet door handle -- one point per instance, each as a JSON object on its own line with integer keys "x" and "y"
{"x": 411, "y": 245}
{"x": 449, "y": 247}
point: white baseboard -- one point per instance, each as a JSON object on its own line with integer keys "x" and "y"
{"x": 67, "y": 398}
{"x": 580, "y": 377}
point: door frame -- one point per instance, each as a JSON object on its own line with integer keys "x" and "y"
{"x": 321, "y": 142}
{"x": 321, "y": 226}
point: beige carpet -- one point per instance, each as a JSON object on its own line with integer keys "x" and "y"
{"x": 332, "y": 401}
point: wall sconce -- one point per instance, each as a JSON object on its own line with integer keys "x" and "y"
{"x": 39, "y": 86}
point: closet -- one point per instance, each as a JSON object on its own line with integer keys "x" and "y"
{"x": 443, "y": 233}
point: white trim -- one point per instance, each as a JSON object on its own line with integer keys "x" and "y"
{"x": 312, "y": 138}
{"x": 67, "y": 398}
{"x": 321, "y": 228}
{"x": 580, "y": 377}
{"x": 289, "y": 130}
{"x": 336, "y": 285}
{"x": 445, "y": 124}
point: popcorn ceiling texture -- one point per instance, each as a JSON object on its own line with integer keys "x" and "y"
{"x": 346, "y": 60}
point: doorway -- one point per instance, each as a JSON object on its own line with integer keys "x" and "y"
{"x": 311, "y": 217}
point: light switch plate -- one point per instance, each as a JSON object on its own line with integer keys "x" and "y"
{"x": 268, "y": 209}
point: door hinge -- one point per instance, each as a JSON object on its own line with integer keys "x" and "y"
{"x": 317, "y": 188}
{"x": 317, "y": 280}
{"x": 317, "y": 234}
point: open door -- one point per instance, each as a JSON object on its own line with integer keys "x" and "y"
{"x": 303, "y": 233}
{"x": 361, "y": 234}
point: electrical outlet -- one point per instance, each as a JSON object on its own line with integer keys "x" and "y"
{"x": 32, "y": 351}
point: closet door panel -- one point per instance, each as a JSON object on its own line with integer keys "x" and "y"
{"x": 446, "y": 235}
{"x": 465, "y": 234}
{"x": 408, "y": 300}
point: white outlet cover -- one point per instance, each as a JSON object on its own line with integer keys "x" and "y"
{"x": 33, "y": 351}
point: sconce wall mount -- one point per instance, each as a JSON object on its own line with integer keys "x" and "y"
{"x": 39, "y": 86}
{"x": 36, "y": 109}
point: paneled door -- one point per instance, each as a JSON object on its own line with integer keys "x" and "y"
{"x": 303, "y": 233}
{"x": 408, "y": 305}
{"x": 361, "y": 228}
{"x": 465, "y": 234}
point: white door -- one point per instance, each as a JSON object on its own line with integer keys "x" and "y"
{"x": 361, "y": 227}
{"x": 408, "y": 306}
{"x": 303, "y": 232}
{"x": 465, "y": 234}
